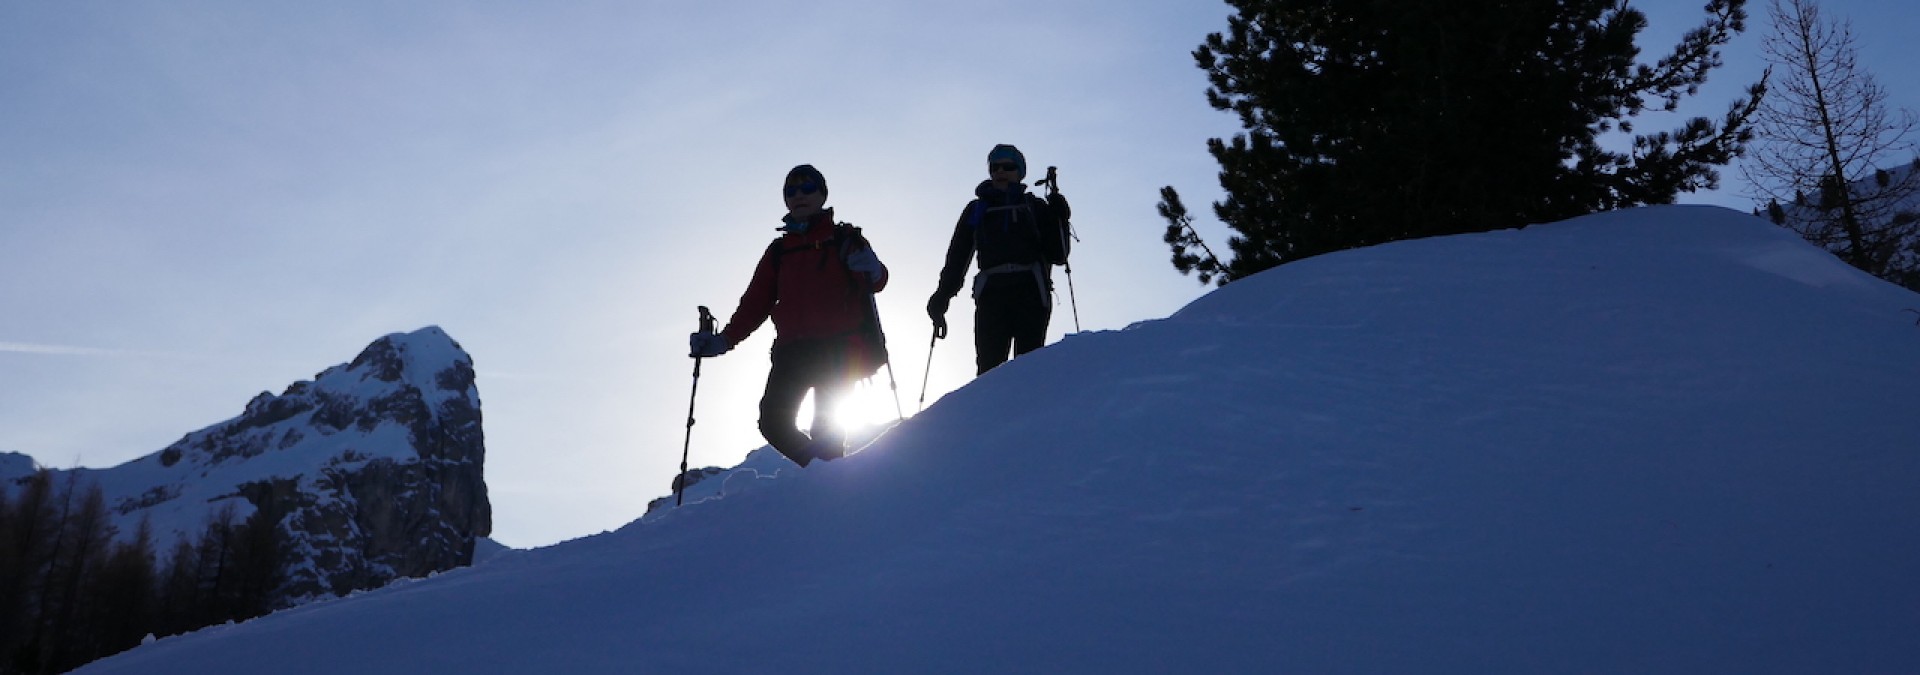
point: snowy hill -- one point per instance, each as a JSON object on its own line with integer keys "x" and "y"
{"x": 1668, "y": 440}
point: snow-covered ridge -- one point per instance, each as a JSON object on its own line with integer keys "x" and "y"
{"x": 1655, "y": 441}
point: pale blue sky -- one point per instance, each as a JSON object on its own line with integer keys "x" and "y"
{"x": 200, "y": 201}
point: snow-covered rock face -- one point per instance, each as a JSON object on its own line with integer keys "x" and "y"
{"x": 374, "y": 469}
{"x": 14, "y": 465}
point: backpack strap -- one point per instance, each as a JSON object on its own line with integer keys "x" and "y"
{"x": 845, "y": 236}
{"x": 847, "y": 239}
{"x": 978, "y": 210}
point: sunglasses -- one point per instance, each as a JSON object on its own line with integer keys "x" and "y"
{"x": 808, "y": 187}
{"x": 1004, "y": 166}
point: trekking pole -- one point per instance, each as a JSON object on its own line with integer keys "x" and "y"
{"x": 898, "y": 414}
{"x": 680, "y": 482}
{"x": 939, "y": 332}
{"x": 1052, "y": 181}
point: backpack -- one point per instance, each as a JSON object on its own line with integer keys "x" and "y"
{"x": 977, "y": 213}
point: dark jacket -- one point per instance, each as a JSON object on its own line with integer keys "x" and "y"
{"x": 1004, "y": 227}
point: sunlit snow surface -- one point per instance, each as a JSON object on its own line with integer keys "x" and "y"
{"x": 1668, "y": 440}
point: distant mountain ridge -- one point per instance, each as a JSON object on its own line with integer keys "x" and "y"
{"x": 373, "y": 470}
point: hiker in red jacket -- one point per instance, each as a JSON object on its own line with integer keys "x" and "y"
{"x": 817, "y": 283}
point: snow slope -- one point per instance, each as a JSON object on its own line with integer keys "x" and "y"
{"x": 1668, "y": 440}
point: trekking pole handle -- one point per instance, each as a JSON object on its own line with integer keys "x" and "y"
{"x": 940, "y": 332}
{"x": 1053, "y": 179}
{"x": 706, "y": 320}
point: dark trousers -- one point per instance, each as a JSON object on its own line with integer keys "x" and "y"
{"x": 800, "y": 366}
{"x": 1012, "y": 310}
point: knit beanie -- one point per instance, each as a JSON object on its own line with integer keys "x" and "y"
{"x": 1004, "y": 152}
{"x": 805, "y": 172}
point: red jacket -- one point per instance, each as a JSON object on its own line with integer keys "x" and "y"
{"x": 814, "y": 294}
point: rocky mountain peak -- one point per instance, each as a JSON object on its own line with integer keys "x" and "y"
{"x": 373, "y": 470}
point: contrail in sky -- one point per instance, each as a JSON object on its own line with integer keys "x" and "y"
{"x": 68, "y": 350}
{"x": 61, "y": 350}
{"x": 101, "y": 352}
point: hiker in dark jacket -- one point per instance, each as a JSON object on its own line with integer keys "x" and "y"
{"x": 817, "y": 283}
{"x": 1016, "y": 237}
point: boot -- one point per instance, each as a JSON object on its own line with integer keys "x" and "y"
{"x": 816, "y": 449}
{"x": 801, "y": 456}
{"x": 824, "y": 450}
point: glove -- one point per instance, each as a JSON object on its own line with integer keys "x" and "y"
{"x": 707, "y": 344}
{"x": 937, "y": 310}
{"x": 1057, "y": 203}
{"x": 865, "y": 262}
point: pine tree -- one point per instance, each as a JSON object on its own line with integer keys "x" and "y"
{"x": 11, "y": 615}
{"x": 181, "y": 600}
{"x": 29, "y": 544}
{"x": 260, "y": 549}
{"x": 218, "y": 580}
{"x": 61, "y": 641}
{"x": 42, "y": 544}
{"x": 1374, "y": 121}
{"x": 1826, "y": 129}
{"x": 120, "y": 604}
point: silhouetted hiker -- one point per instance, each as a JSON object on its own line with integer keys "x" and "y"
{"x": 1016, "y": 238}
{"x": 817, "y": 283}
